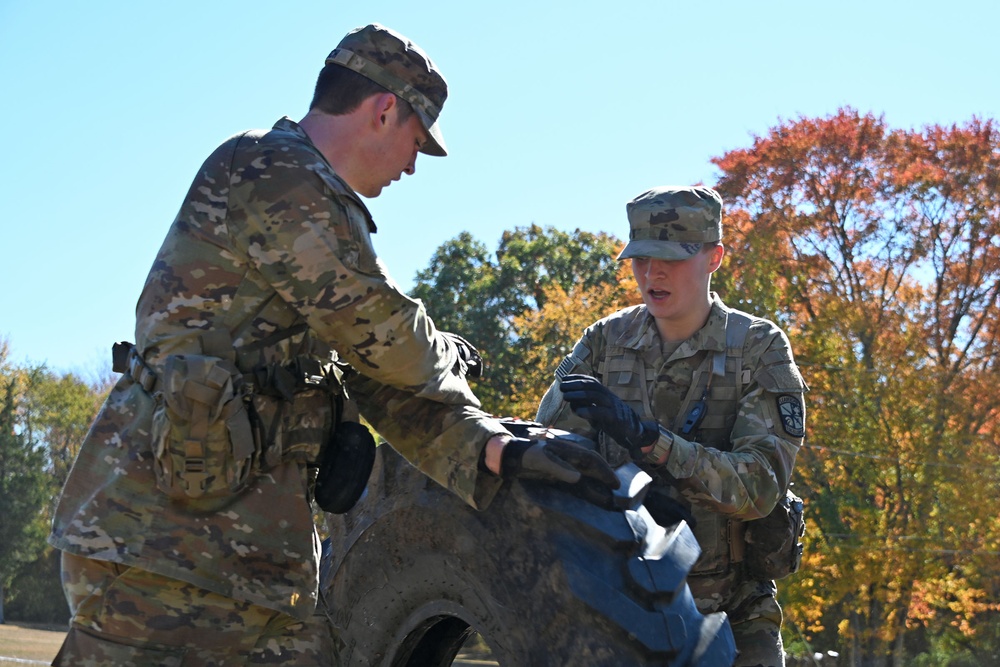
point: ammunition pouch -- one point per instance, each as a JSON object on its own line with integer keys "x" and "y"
{"x": 214, "y": 429}
{"x": 773, "y": 544}
{"x": 203, "y": 445}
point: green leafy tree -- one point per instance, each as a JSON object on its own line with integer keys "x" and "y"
{"x": 56, "y": 412}
{"x": 547, "y": 335}
{"x": 25, "y": 489}
{"x": 45, "y": 418}
{"x": 479, "y": 296}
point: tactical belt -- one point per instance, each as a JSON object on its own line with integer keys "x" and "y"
{"x": 285, "y": 380}
{"x": 280, "y": 380}
{"x": 127, "y": 360}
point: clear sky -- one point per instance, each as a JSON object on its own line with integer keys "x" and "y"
{"x": 558, "y": 113}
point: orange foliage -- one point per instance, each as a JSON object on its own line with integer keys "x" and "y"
{"x": 548, "y": 334}
{"x": 878, "y": 251}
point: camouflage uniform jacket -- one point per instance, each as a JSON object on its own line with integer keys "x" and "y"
{"x": 271, "y": 246}
{"x": 736, "y": 465}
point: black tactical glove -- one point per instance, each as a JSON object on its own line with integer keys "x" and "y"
{"x": 467, "y": 353}
{"x": 555, "y": 460}
{"x": 591, "y": 400}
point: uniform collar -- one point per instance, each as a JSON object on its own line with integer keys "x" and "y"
{"x": 642, "y": 334}
{"x": 712, "y": 336}
{"x": 286, "y": 124}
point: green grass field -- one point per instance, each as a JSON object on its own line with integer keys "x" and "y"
{"x": 25, "y": 644}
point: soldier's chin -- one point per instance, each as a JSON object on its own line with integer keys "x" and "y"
{"x": 371, "y": 192}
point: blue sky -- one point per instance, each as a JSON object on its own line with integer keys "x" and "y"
{"x": 559, "y": 113}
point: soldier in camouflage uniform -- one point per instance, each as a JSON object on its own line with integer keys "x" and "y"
{"x": 717, "y": 428}
{"x": 185, "y": 523}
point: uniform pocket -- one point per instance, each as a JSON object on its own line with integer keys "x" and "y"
{"x": 203, "y": 445}
{"x": 294, "y": 429}
{"x": 307, "y": 425}
{"x": 712, "y": 532}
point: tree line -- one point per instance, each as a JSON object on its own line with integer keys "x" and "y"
{"x": 43, "y": 418}
{"x": 876, "y": 249}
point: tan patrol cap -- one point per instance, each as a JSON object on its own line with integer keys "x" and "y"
{"x": 672, "y": 222}
{"x": 400, "y": 66}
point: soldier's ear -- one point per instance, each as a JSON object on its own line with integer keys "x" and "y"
{"x": 384, "y": 104}
{"x": 715, "y": 261}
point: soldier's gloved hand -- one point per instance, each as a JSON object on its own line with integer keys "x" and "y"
{"x": 591, "y": 400}
{"x": 468, "y": 353}
{"x": 555, "y": 460}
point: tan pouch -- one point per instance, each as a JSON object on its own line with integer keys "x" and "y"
{"x": 203, "y": 445}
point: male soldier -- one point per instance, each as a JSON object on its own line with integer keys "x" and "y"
{"x": 707, "y": 399}
{"x": 185, "y": 524}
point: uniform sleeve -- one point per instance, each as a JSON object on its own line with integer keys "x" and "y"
{"x": 442, "y": 441}
{"x": 311, "y": 244}
{"x": 746, "y": 482}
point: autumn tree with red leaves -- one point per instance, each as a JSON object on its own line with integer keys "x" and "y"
{"x": 879, "y": 252}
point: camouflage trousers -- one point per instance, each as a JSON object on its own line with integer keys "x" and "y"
{"x": 128, "y": 617}
{"x": 754, "y": 616}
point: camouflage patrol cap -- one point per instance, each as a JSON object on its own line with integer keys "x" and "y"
{"x": 400, "y": 66}
{"x": 672, "y": 222}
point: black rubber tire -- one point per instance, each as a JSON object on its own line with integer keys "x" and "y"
{"x": 548, "y": 575}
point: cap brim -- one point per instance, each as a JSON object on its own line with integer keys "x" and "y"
{"x": 435, "y": 140}
{"x": 667, "y": 250}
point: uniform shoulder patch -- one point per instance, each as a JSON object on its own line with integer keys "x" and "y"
{"x": 573, "y": 359}
{"x": 792, "y": 414}
{"x": 565, "y": 367}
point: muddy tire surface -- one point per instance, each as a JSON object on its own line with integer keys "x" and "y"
{"x": 548, "y": 575}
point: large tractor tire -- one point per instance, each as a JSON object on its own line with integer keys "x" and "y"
{"x": 547, "y": 575}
